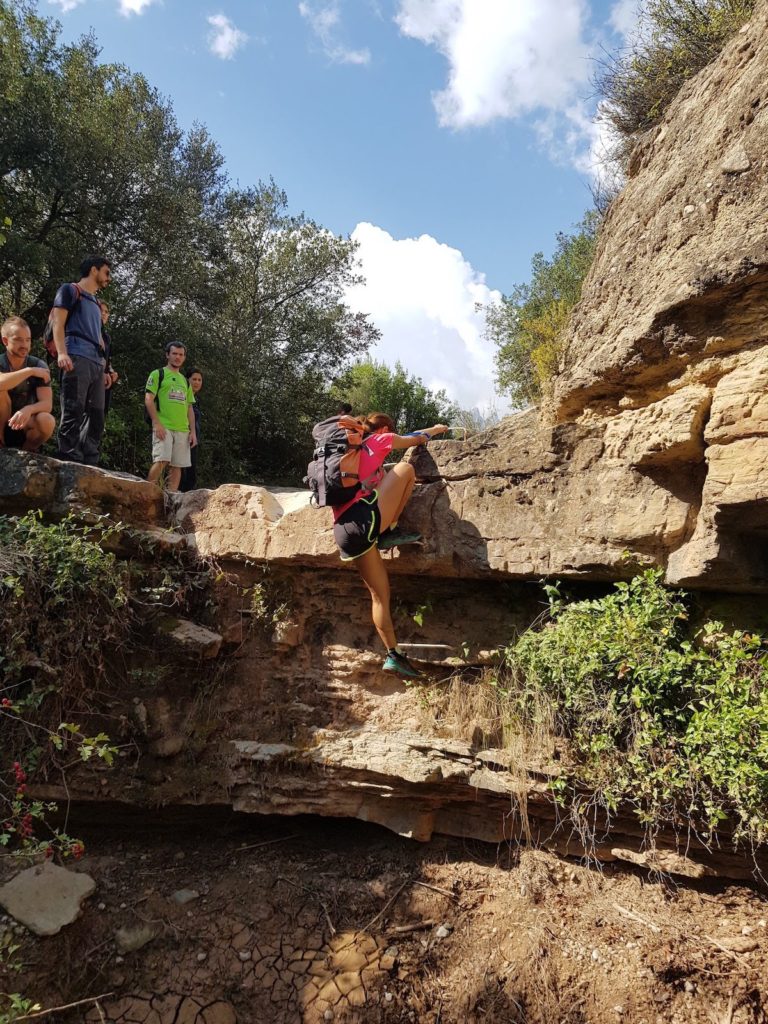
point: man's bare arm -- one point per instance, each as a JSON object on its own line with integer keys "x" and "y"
{"x": 9, "y": 380}
{"x": 59, "y": 322}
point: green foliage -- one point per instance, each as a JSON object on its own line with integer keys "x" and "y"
{"x": 527, "y": 327}
{"x": 62, "y": 598}
{"x": 373, "y": 387}
{"x": 657, "y": 715}
{"x": 674, "y": 40}
{"x": 93, "y": 160}
{"x": 14, "y": 1007}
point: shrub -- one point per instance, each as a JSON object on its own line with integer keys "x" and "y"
{"x": 674, "y": 40}
{"x": 670, "y": 719}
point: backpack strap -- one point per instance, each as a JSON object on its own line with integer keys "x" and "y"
{"x": 160, "y": 376}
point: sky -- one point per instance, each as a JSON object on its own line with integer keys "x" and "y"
{"x": 452, "y": 139}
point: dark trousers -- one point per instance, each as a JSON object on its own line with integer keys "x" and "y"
{"x": 189, "y": 473}
{"x": 82, "y": 412}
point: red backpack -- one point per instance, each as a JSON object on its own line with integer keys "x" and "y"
{"x": 48, "y": 343}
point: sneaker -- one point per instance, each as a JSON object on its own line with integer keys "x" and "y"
{"x": 394, "y": 539}
{"x": 399, "y": 664}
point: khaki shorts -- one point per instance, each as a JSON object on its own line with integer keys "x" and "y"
{"x": 174, "y": 449}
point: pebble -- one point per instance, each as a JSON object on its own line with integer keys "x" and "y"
{"x": 328, "y": 1015}
{"x": 392, "y": 951}
{"x": 690, "y": 987}
{"x": 387, "y": 997}
{"x": 201, "y": 957}
{"x": 123, "y": 906}
{"x": 746, "y": 930}
{"x": 102, "y": 906}
{"x": 119, "y": 960}
{"x": 595, "y": 955}
{"x": 182, "y": 896}
{"x": 245, "y": 955}
{"x": 444, "y": 931}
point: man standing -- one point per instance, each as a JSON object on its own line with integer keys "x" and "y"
{"x": 26, "y": 398}
{"x": 76, "y": 321}
{"x": 169, "y": 402}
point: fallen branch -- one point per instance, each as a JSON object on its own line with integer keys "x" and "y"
{"x": 311, "y": 892}
{"x": 406, "y": 929}
{"x": 387, "y": 906}
{"x": 69, "y": 1006}
{"x": 434, "y": 888}
{"x": 724, "y": 949}
{"x": 638, "y": 918}
{"x": 269, "y": 842}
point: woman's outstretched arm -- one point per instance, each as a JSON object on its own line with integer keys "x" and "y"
{"x": 418, "y": 436}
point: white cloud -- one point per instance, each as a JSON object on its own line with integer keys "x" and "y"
{"x": 422, "y": 295}
{"x": 128, "y": 7}
{"x": 506, "y": 59}
{"x": 224, "y": 39}
{"x": 67, "y": 5}
{"x": 624, "y": 17}
{"x": 324, "y": 18}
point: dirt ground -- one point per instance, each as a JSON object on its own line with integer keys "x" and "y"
{"x": 263, "y": 921}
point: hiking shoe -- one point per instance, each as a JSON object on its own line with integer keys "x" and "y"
{"x": 399, "y": 664}
{"x": 394, "y": 538}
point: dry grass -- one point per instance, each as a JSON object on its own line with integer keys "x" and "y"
{"x": 477, "y": 711}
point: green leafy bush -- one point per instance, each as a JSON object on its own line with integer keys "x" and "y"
{"x": 673, "y": 41}
{"x": 658, "y": 714}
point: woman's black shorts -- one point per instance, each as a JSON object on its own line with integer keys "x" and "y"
{"x": 357, "y": 530}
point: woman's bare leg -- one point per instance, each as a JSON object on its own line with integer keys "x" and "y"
{"x": 394, "y": 492}
{"x": 376, "y": 578}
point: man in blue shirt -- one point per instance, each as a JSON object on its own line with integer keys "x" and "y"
{"x": 76, "y": 321}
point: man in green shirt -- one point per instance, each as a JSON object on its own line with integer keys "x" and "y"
{"x": 168, "y": 401}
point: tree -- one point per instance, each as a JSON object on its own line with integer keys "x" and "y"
{"x": 527, "y": 326}
{"x": 279, "y": 334}
{"x": 92, "y": 160}
{"x": 373, "y": 387}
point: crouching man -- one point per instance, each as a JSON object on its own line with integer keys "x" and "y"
{"x": 26, "y": 399}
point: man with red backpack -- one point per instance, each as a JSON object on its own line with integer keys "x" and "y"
{"x": 76, "y": 330}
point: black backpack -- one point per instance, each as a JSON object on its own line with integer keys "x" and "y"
{"x": 147, "y": 417}
{"x": 333, "y": 474}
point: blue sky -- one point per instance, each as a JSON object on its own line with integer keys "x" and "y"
{"x": 451, "y": 138}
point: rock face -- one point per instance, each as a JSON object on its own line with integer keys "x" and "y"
{"x": 655, "y": 444}
{"x": 30, "y": 482}
{"x": 46, "y": 897}
{"x": 654, "y": 452}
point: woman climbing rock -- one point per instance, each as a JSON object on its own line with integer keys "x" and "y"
{"x": 368, "y": 522}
